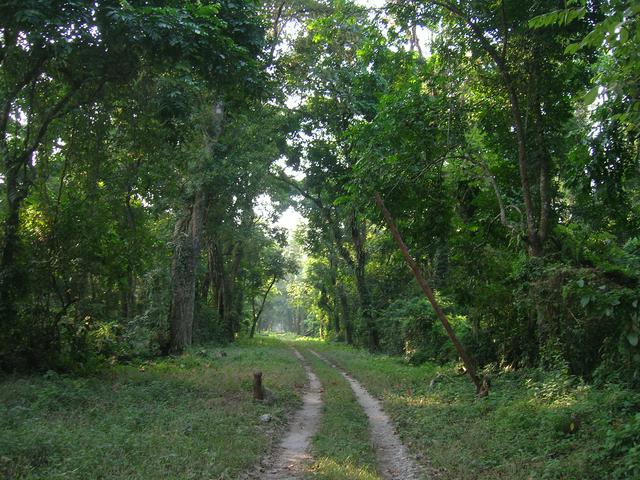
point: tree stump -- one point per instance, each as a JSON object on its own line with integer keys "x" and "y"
{"x": 258, "y": 391}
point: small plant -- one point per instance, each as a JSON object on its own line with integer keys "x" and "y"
{"x": 622, "y": 449}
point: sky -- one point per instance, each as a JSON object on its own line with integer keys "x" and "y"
{"x": 290, "y": 219}
{"x": 371, "y": 3}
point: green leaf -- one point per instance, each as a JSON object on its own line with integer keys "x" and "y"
{"x": 633, "y": 338}
{"x": 573, "y": 48}
{"x": 581, "y": 283}
{"x": 584, "y": 301}
{"x": 546, "y": 19}
{"x": 624, "y": 35}
{"x": 341, "y": 200}
{"x": 557, "y": 17}
{"x": 591, "y": 95}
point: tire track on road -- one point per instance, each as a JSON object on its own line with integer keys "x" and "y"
{"x": 293, "y": 454}
{"x": 393, "y": 458}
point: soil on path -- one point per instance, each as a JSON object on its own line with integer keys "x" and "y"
{"x": 393, "y": 459}
{"x": 290, "y": 458}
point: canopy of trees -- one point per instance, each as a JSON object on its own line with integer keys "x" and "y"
{"x": 139, "y": 138}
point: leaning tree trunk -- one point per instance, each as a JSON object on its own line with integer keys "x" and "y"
{"x": 186, "y": 250}
{"x": 257, "y": 314}
{"x": 481, "y": 387}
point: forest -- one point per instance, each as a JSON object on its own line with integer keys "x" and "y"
{"x": 181, "y": 179}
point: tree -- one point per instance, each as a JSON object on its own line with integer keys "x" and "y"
{"x": 269, "y": 266}
{"x": 337, "y": 88}
{"x": 64, "y": 58}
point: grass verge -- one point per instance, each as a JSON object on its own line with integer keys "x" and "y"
{"x": 187, "y": 417}
{"x": 522, "y": 430}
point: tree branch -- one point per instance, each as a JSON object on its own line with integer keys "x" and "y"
{"x": 533, "y": 239}
{"x": 276, "y": 32}
{"x": 334, "y": 231}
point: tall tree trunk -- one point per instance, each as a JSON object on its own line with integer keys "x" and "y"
{"x": 218, "y": 277}
{"x": 236, "y": 295}
{"x": 224, "y": 277}
{"x": 535, "y": 248}
{"x": 129, "y": 291}
{"x": 11, "y": 274}
{"x": 333, "y": 272}
{"x": 346, "y": 315}
{"x": 186, "y": 240}
{"x": 10, "y": 280}
{"x": 358, "y": 232}
{"x": 206, "y": 286}
{"x": 298, "y": 318}
{"x": 500, "y": 59}
{"x": 186, "y": 250}
{"x": 544, "y": 184}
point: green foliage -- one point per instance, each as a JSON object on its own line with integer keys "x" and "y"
{"x": 506, "y": 151}
{"x": 615, "y": 38}
{"x": 434, "y": 134}
{"x": 622, "y": 448}
{"x": 411, "y": 328}
{"x": 100, "y": 142}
